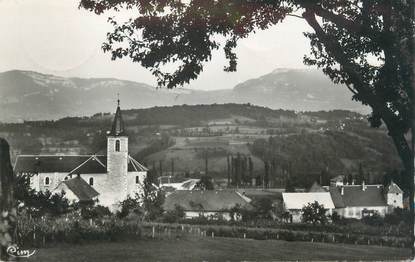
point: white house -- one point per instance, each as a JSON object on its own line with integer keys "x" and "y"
{"x": 113, "y": 176}
{"x": 294, "y": 202}
{"x": 357, "y": 201}
{"x": 394, "y": 195}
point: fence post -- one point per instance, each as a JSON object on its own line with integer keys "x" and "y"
{"x": 34, "y": 233}
{"x": 153, "y": 232}
{"x": 213, "y": 234}
{"x": 244, "y": 235}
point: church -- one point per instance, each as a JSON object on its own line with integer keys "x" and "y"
{"x": 108, "y": 179}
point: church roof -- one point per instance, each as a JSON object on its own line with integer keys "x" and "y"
{"x": 117, "y": 128}
{"x": 81, "y": 189}
{"x": 71, "y": 164}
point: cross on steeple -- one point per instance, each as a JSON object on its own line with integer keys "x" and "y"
{"x": 118, "y": 124}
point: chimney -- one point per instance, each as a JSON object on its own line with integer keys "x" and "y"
{"x": 363, "y": 185}
{"x": 342, "y": 190}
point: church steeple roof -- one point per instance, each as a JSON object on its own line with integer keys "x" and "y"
{"x": 117, "y": 128}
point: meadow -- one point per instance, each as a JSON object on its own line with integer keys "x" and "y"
{"x": 192, "y": 248}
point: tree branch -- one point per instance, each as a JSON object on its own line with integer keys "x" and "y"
{"x": 363, "y": 89}
{"x": 359, "y": 28}
{"x": 293, "y": 15}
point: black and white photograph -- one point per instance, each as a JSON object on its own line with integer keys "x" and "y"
{"x": 207, "y": 130}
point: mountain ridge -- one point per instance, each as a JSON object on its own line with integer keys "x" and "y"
{"x": 30, "y": 95}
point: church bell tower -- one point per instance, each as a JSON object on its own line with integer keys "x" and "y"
{"x": 117, "y": 160}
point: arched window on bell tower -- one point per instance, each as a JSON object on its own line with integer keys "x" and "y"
{"x": 117, "y": 145}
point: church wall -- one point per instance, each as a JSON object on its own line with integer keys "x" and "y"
{"x": 99, "y": 181}
{"x": 117, "y": 166}
{"x": 132, "y": 186}
{"x": 37, "y": 182}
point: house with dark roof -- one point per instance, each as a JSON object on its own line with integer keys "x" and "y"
{"x": 357, "y": 201}
{"x": 113, "y": 176}
{"x": 207, "y": 203}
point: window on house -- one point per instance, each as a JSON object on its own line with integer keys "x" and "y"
{"x": 117, "y": 146}
{"x": 397, "y": 194}
{"x": 47, "y": 181}
{"x": 350, "y": 212}
{"x": 91, "y": 181}
{"x": 137, "y": 180}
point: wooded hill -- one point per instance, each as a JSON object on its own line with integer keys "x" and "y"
{"x": 311, "y": 141}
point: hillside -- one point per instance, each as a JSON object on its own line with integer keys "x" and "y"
{"x": 180, "y": 137}
{"x": 26, "y": 95}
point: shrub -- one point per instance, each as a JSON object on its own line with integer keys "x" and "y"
{"x": 95, "y": 212}
{"x": 374, "y": 220}
{"x": 173, "y": 216}
{"x": 314, "y": 213}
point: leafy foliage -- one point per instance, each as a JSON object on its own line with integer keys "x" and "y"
{"x": 130, "y": 205}
{"x": 205, "y": 183}
{"x": 314, "y": 213}
{"x": 39, "y": 203}
{"x": 152, "y": 198}
{"x": 175, "y": 215}
{"x": 263, "y": 207}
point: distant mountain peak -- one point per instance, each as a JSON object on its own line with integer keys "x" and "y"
{"x": 29, "y": 95}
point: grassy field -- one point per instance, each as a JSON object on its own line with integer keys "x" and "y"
{"x": 218, "y": 249}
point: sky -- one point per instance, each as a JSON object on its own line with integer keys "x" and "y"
{"x": 55, "y": 37}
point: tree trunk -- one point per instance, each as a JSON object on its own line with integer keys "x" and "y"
{"x": 7, "y": 203}
{"x": 405, "y": 152}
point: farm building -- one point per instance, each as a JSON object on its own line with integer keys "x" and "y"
{"x": 213, "y": 204}
{"x": 357, "y": 201}
{"x": 294, "y": 202}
